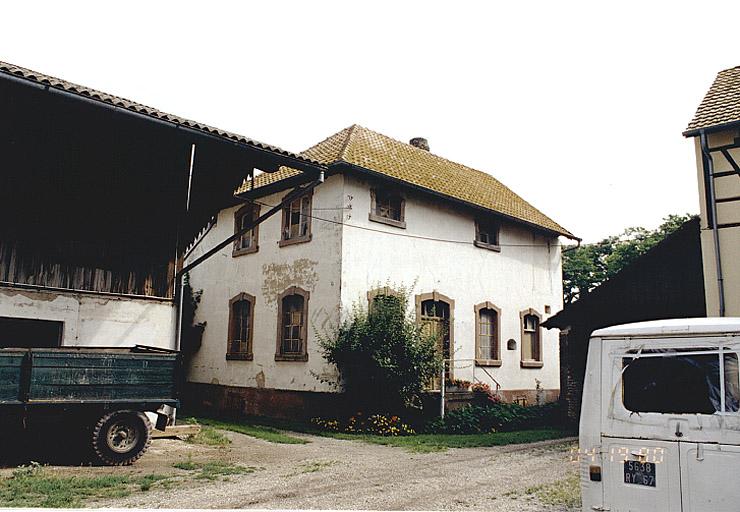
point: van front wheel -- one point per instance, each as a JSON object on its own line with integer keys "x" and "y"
{"x": 121, "y": 437}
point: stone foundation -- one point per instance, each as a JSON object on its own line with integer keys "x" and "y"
{"x": 233, "y": 401}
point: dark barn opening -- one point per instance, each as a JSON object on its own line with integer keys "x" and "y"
{"x": 30, "y": 333}
{"x": 93, "y": 188}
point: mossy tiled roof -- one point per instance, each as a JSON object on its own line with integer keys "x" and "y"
{"x": 721, "y": 104}
{"x": 376, "y": 152}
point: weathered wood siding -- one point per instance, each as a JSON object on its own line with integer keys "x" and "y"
{"x": 23, "y": 265}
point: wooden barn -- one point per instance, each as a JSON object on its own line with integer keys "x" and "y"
{"x": 100, "y": 198}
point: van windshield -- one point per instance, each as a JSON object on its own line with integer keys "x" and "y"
{"x": 668, "y": 381}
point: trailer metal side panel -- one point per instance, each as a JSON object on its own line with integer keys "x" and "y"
{"x": 11, "y": 367}
{"x": 73, "y": 376}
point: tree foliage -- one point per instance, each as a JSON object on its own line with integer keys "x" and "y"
{"x": 384, "y": 359}
{"x": 588, "y": 266}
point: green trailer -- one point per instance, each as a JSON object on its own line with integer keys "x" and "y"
{"x": 107, "y": 391}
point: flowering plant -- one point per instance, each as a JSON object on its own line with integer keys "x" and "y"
{"x": 377, "y": 424}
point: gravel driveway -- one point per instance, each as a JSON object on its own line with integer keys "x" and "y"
{"x": 336, "y": 474}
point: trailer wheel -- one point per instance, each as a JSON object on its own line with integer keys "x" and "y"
{"x": 121, "y": 437}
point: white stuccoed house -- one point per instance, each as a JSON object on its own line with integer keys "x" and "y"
{"x": 483, "y": 265}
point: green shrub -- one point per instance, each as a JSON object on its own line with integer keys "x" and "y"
{"x": 384, "y": 359}
{"x": 495, "y": 417}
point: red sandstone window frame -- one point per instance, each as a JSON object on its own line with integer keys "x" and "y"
{"x": 246, "y": 354}
{"x": 304, "y": 219}
{"x": 495, "y": 337}
{"x": 248, "y": 210}
{"x": 536, "y": 360}
{"x": 302, "y": 354}
{"x": 382, "y": 291}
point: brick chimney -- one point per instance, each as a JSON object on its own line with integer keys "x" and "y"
{"x": 420, "y": 142}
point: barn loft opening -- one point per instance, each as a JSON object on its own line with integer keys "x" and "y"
{"x": 93, "y": 188}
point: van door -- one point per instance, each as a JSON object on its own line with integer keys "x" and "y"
{"x": 641, "y": 475}
{"x": 709, "y": 470}
{"x": 709, "y": 477}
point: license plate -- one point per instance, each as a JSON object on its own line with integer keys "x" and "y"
{"x": 639, "y": 473}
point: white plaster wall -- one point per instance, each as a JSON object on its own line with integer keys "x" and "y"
{"x": 314, "y": 266}
{"x": 515, "y": 279}
{"x": 95, "y": 320}
{"x": 340, "y": 264}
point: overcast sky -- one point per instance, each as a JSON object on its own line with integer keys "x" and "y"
{"x": 578, "y": 107}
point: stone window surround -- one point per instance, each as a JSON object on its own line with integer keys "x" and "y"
{"x": 531, "y": 363}
{"x": 385, "y": 220}
{"x": 436, "y": 296}
{"x": 380, "y": 291}
{"x": 240, "y": 356}
{"x": 286, "y": 215}
{"x": 238, "y": 214}
{"x": 303, "y": 356}
{"x": 497, "y": 337}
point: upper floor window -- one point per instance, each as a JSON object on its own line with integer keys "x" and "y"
{"x": 247, "y": 242}
{"x": 292, "y": 325}
{"x": 487, "y": 348}
{"x": 531, "y": 339}
{"x": 388, "y": 207}
{"x": 487, "y": 234}
{"x": 241, "y": 321}
{"x": 297, "y": 221}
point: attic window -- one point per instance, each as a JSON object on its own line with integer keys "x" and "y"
{"x": 387, "y": 207}
{"x": 487, "y": 234}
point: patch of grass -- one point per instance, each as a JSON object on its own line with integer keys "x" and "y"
{"x": 313, "y": 467}
{"x": 565, "y": 492}
{"x": 264, "y": 432}
{"x": 424, "y": 443}
{"x": 33, "y": 486}
{"x": 213, "y": 469}
{"x": 210, "y": 437}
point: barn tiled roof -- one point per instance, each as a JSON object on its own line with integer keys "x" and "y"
{"x": 81, "y": 90}
{"x": 721, "y": 104}
{"x": 376, "y": 152}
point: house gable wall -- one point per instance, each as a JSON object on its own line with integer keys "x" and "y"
{"x": 314, "y": 266}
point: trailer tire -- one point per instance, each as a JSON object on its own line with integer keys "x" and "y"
{"x": 119, "y": 438}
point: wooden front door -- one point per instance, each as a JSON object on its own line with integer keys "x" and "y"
{"x": 435, "y": 320}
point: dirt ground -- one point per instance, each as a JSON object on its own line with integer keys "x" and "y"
{"x": 337, "y": 474}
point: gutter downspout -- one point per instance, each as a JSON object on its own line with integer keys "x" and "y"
{"x": 709, "y": 174}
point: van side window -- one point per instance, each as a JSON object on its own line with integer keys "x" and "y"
{"x": 680, "y": 383}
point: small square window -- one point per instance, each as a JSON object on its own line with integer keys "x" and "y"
{"x": 387, "y": 207}
{"x": 487, "y": 234}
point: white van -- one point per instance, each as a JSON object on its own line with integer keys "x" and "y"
{"x": 660, "y": 420}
